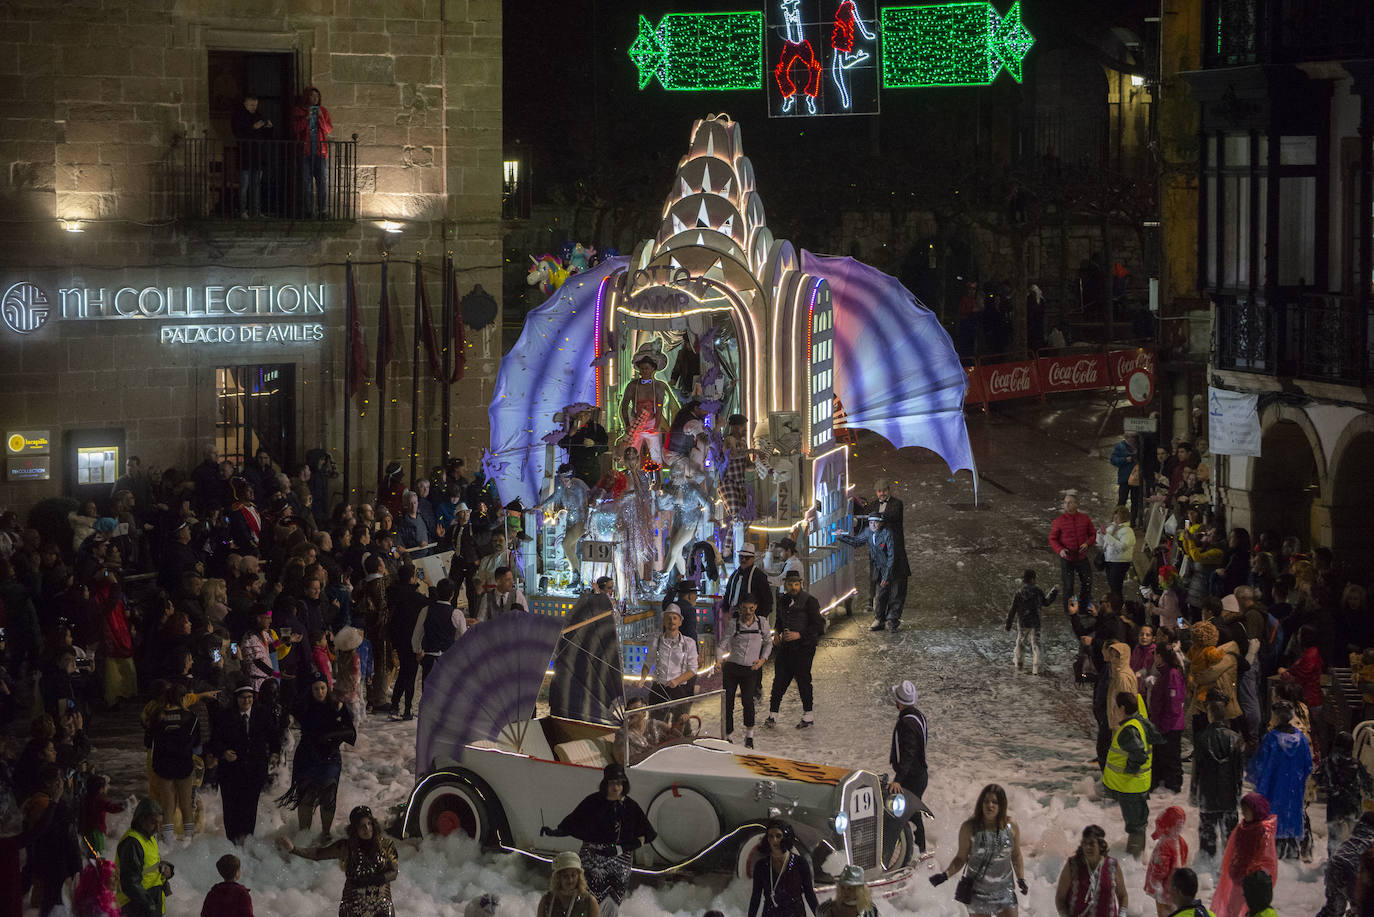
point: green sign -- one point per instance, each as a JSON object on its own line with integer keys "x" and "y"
{"x": 957, "y": 44}
{"x": 688, "y": 51}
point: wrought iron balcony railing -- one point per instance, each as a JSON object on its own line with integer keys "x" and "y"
{"x": 1305, "y": 336}
{"x": 262, "y": 179}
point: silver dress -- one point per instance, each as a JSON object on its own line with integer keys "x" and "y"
{"x": 989, "y": 861}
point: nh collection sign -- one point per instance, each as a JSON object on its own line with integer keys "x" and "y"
{"x": 250, "y": 312}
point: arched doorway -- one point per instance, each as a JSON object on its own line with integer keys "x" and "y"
{"x": 1352, "y": 504}
{"x": 1285, "y": 486}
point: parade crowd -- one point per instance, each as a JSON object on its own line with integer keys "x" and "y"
{"x": 256, "y": 633}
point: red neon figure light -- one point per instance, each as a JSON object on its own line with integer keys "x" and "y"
{"x": 796, "y": 48}
{"x": 842, "y": 35}
{"x": 842, "y": 40}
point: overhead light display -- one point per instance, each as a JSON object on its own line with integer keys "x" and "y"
{"x": 957, "y": 44}
{"x": 695, "y": 51}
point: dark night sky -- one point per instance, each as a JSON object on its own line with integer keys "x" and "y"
{"x": 573, "y": 104}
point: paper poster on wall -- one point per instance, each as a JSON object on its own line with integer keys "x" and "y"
{"x": 1233, "y": 426}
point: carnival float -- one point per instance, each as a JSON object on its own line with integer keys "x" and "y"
{"x": 661, "y": 409}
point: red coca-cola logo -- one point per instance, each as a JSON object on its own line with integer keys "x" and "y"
{"x": 1079, "y": 373}
{"x": 1013, "y": 381}
{"x": 1125, "y": 362}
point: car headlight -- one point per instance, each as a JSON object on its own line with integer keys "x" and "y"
{"x": 841, "y": 823}
{"x": 896, "y": 804}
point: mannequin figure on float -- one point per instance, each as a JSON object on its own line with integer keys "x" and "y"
{"x": 687, "y": 492}
{"x": 573, "y": 497}
{"x": 636, "y": 503}
{"x": 644, "y": 404}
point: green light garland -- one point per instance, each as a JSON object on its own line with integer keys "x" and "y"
{"x": 958, "y": 44}
{"x": 698, "y": 51}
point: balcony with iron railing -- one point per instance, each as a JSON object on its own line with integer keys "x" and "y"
{"x": 1309, "y": 336}
{"x": 207, "y": 179}
{"x": 1237, "y": 33}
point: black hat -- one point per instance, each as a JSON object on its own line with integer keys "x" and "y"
{"x": 792, "y": 574}
{"x": 687, "y": 586}
{"x": 613, "y": 771}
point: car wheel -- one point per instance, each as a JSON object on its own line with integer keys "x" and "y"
{"x": 454, "y": 807}
{"x": 903, "y": 848}
{"x": 750, "y": 847}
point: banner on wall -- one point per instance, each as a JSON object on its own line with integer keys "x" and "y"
{"x": 1233, "y": 424}
{"x": 1000, "y": 381}
{"x": 1073, "y": 372}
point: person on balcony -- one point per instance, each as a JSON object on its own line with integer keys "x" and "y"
{"x": 311, "y": 127}
{"x": 251, "y": 130}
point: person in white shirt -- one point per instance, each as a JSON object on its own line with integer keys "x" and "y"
{"x": 671, "y": 662}
{"x": 438, "y": 625}
{"x": 777, "y": 563}
{"x": 746, "y": 646}
{"x": 504, "y": 598}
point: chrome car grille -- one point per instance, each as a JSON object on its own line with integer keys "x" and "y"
{"x": 863, "y": 843}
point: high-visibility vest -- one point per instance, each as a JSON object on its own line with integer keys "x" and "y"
{"x": 152, "y": 876}
{"x": 1114, "y": 775}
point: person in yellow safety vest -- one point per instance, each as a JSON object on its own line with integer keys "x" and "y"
{"x": 1126, "y": 775}
{"x": 1183, "y": 892}
{"x": 142, "y": 873}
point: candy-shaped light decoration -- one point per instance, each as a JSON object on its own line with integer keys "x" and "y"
{"x": 958, "y": 44}
{"x": 689, "y": 51}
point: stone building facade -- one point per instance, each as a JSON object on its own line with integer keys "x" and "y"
{"x": 116, "y": 126}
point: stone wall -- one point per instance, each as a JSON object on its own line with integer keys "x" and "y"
{"x": 99, "y": 94}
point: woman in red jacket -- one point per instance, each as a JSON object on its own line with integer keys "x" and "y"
{"x": 1307, "y": 670}
{"x": 311, "y": 127}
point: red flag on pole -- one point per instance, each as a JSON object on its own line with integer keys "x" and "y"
{"x": 385, "y": 335}
{"x": 460, "y": 354}
{"x": 431, "y": 340}
{"x": 357, "y": 347}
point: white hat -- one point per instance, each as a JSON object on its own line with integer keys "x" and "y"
{"x": 348, "y": 638}
{"x": 568, "y": 859}
{"x": 905, "y": 693}
{"x": 1230, "y": 604}
{"x": 745, "y": 549}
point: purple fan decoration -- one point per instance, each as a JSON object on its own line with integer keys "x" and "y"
{"x": 485, "y": 686}
{"x": 490, "y": 466}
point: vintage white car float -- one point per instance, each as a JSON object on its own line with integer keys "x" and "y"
{"x": 492, "y": 769}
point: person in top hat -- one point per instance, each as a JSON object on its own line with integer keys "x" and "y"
{"x": 644, "y": 404}
{"x": 684, "y": 599}
{"x": 611, "y": 827}
{"x": 243, "y": 741}
{"x": 781, "y": 560}
{"x": 799, "y": 628}
{"x": 881, "y": 554}
{"x": 751, "y": 580}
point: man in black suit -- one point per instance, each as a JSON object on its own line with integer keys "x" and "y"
{"x": 891, "y": 509}
{"x": 243, "y": 742}
{"x": 749, "y": 580}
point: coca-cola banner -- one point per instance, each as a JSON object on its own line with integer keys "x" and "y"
{"x": 1073, "y": 372}
{"x": 1125, "y": 362}
{"x": 1000, "y": 381}
{"x": 974, "y": 392}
